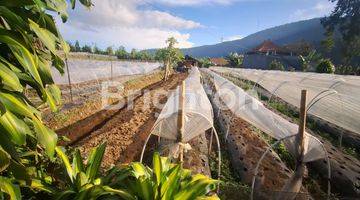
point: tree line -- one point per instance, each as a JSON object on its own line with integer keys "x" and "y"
{"x": 120, "y": 52}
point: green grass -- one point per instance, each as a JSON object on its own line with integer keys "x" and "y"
{"x": 231, "y": 187}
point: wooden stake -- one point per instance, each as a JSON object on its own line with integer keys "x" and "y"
{"x": 69, "y": 79}
{"x": 181, "y": 119}
{"x": 293, "y": 185}
{"x": 302, "y": 125}
{"x": 111, "y": 69}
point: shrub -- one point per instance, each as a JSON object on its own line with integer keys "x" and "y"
{"x": 276, "y": 65}
{"x": 325, "y": 66}
{"x": 235, "y": 60}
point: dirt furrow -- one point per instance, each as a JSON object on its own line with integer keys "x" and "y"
{"x": 125, "y": 131}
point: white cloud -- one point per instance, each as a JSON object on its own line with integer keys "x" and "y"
{"x": 128, "y": 23}
{"x": 234, "y": 37}
{"x": 193, "y": 2}
{"x": 320, "y": 9}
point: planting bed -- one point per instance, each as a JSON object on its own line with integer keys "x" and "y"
{"x": 245, "y": 147}
{"x": 125, "y": 127}
{"x": 345, "y": 169}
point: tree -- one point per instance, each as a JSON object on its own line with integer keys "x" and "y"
{"x": 276, "y": 65}
{"x": 170, "y": 55}
{"x": 121, "y": 53}
{"x": 205, "y": 62}
{"x": 86, "y": 48}
{"x": 306, "y": 61}
{"x": 234, "y": 59}
{"x": 133, "y": 54}
{"x": 325, "y": 66}
{"x": 77, "y": 46}
{"x": 97, "y": 50}
{"x": 109, "y": 51}
{"x": 72, "y": 47}
{"x": 346, "y": 19}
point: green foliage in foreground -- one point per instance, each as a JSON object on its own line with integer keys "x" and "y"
{"x": 30, "y": 44}
{"x": 134, "y": 181}
{"x": 325, "y": 66}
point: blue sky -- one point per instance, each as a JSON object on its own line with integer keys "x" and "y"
{"x": 143, "y": 24}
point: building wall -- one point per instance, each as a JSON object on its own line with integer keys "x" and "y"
{"x": 256, "y": 61}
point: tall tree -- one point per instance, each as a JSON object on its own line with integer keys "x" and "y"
{"x": 109, "y": 51}
{"x": 77, "y": 46}
{"x": 121, "y": 53}
{"x": 171, "y": 56}
{"x": 346, "y": 19}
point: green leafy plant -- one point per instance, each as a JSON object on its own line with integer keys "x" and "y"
{"x": 325, "y": 66}
{"x": 235, "y": 60}
{"x": 84, "y": 180}
{"x": 306, "y": 61}
{"x": 276, "y": 65}
{"x": 166, "y": 181}
{"x": 30, "y": 44}
{"x": 205, "y": 62}
{"x": 169, "y": 55}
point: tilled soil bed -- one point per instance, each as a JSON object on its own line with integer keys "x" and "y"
{"x": 126, "y": 131}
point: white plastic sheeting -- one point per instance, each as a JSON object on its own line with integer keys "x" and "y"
{"x": 197, "y": 111}
{"x": 82, "y": 70}
{"x": 254, "y": 112}
{"x": 337, "y": 97}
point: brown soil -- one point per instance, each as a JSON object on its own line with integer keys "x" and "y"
{"x": 87, "y": 99}
{"x": 126, "y": 131}
{"x": 246, "y": 146}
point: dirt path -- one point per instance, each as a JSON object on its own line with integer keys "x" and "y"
{"x": 126, "y": 131}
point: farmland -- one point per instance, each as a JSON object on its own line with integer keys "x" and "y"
{"x": 82, "y": 116}
{"x": 126, "y": 128}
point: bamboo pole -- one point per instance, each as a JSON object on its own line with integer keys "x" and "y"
{"x": 69, "y": 79}
{"x": 293, "y": 185}
{"x": 302, "y": 126}
{"x": 181, "y": 119}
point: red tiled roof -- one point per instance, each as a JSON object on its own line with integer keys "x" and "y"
{"x": 267, "y": 46}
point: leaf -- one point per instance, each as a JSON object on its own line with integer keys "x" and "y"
{"x": 16, "y": 105}
{"x": 171, "y": 183}
{"x": 11, "y": 189}
{"x": 37, "y": 184}
{"x": 201, "y": 185}
{"x": 157, "y": 167}
{"x": 25, "y": 58}
{"x": 4, "y": 159}
{"x": 77, "y": 164}
{"x": 66, "y": 162}
{"x": 46, "y": 137}
{"x": 94, "y": 161}
{"x": 9, "y": 79}
{"x": 123, "y": 194}
{"x": 46, "y": 37}
{"x": 58, "y": 6}
{"x": 53, "y": 97}
{"x": 138, "y": 170}
{"x": 73, "y": 2}
{"x": 16, "y": 128}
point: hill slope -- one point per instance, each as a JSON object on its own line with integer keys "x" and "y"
{"x": 308, "y": 30}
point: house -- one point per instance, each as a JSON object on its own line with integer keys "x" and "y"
{"x": 270, "y": 48}
{"x": 187, "y": 63}
{"x": 261, "y": 56}
{"x": 219, "y": 61}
